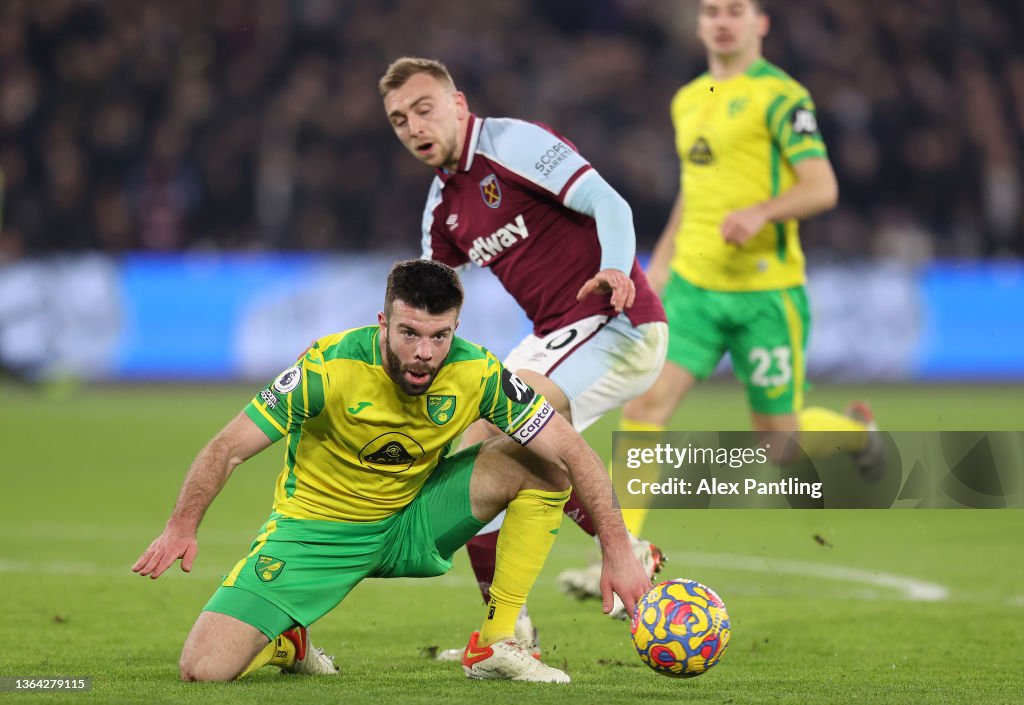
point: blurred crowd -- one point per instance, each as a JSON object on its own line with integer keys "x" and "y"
{"x": 256, "y": 124}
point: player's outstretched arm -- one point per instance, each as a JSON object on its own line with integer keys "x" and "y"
{"x": 239, "y": 440}
{"x": 559, "y": 443}
{"x": 594, "y": 196}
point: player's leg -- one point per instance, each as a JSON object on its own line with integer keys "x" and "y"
{"x": 823, "y": 431}
{"x": 583, "y": 370}
{"x": 296, "y": 571}
{"x": 616, "y": 364}
{"x": 655, "y": 407}
{"x": 555, "y": 395}
{"x": 696, "y": 344}
{"x": 508, "y": 478}
{"x": 590, "y": 368}
{"x": 482, "y": 548}
{"x": 769, "y": 356}
{"x": 219, "y": 648}
{"x": 465, "y": 492}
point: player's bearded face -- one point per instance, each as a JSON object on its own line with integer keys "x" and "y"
{"x": 415, "y": 346}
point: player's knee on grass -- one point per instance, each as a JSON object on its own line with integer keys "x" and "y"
{"x": 206, "y": 668}
{"x": 218, "y": 648}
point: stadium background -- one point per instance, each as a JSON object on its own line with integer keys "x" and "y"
{"x": 157, "y": 157}
{"x": 194, "y": 190}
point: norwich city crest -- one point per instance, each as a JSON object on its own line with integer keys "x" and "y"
{"x": 440, "y": 408}
{"x": 268, "y": 568}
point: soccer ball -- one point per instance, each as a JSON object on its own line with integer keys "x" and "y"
{"x": 681, "y": 628}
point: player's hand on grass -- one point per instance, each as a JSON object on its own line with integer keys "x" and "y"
{"x": 624, "y": 575}
{"x": 165, "y": 549}
{"x": 610, "y": 280}
{"x": 739, "y": 226}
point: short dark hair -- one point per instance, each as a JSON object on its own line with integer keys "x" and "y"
{"x": 424, "y": 284}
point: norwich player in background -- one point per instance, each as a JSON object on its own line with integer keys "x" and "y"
{"x": 728, "y": 263}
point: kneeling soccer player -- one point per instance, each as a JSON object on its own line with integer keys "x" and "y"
{"x": 368, "y": 489}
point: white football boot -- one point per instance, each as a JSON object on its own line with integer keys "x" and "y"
{"x": 506, "y": 660}
{"x": 526, "y": 635}
{"x": 309, "y": 660}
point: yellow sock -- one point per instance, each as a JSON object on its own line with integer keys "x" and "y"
{"x": 531, "y": 523}
{"x": 852, "y": 439}
{"x": 279, "y": 652}
{"x": 635, "y": 517}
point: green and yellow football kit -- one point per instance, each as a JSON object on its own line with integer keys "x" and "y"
{"x": 368, "y": 488}
{"x": 738, "y": 140}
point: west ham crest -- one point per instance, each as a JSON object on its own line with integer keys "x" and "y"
{"x": 491, "y": 191}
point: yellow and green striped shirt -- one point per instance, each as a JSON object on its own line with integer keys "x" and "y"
{"x": 357, "y": 447}
{"x": 737, "y": 142}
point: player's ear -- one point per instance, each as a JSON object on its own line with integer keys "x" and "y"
{"x": 764, "y": 23}
{"x": 461, "y": 105}
{"x": 382, "y": 321}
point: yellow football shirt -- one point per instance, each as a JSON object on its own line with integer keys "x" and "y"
{"x": 737, "y": 142}
{"x": 357, "y": 447}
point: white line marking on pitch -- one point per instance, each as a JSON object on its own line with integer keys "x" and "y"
{"x": 911, "y": 588}
{"x": 124, "y": 571}
{"x": 88, "y": 569}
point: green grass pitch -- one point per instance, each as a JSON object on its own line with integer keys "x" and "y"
{"x": 89, "y": 476}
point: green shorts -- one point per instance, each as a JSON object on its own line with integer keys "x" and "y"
{"x": 300, "y": 569}
{"x": 764, "y": 332}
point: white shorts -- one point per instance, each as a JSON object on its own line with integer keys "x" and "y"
{"x": 599, "y": 363}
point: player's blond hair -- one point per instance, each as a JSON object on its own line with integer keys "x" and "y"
{"x": 401, "y": 70}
